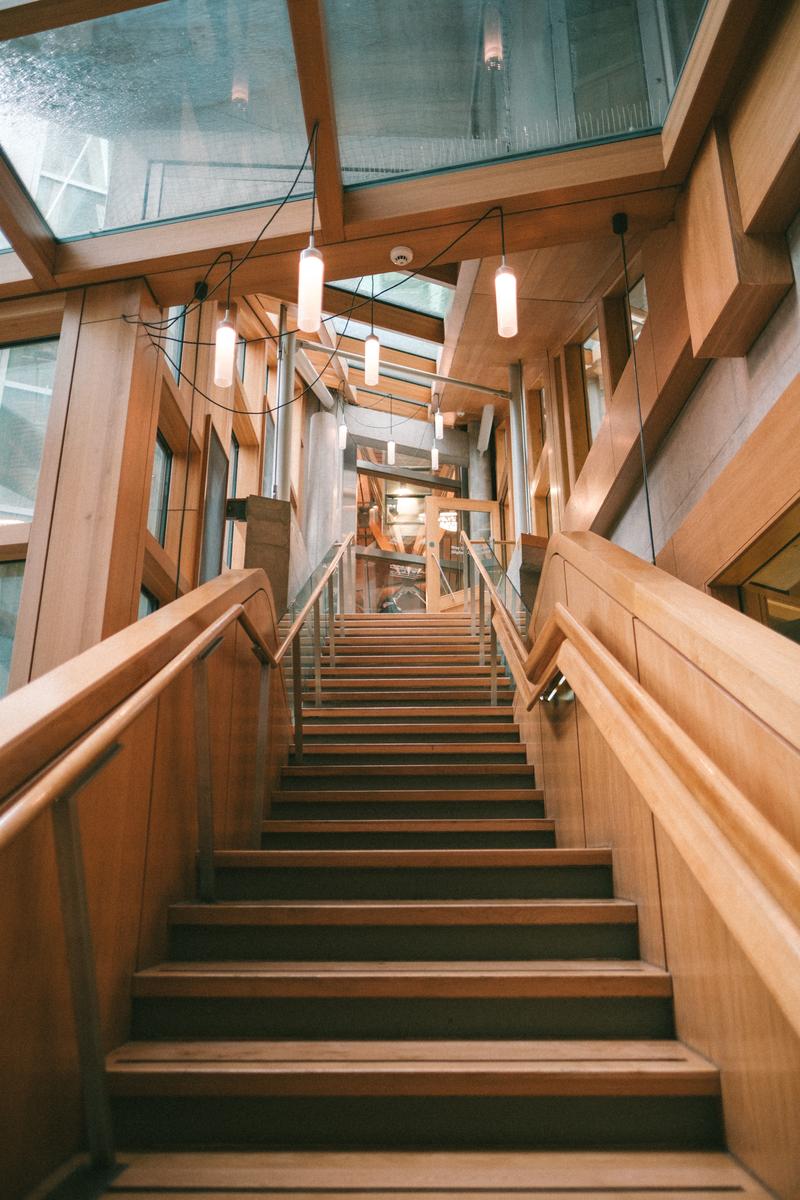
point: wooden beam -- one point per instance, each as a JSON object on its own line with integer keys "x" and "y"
{"x": 18, "y": 18}
{"x": 25, "y": 228}
{"x": 389, "y": 316}
{"x": 310, "y": 43}
{"x": 408, "y": 475}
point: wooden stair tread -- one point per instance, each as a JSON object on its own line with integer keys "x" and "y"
{"x": 369, "y": 1175}
{"x": 335, "y": 769}
{"x": 425, "y": 711}
{"x": 411, "y": 859}
{"x": 312, "y": 730}
{"x": 405, "y": 912}
{"x": 380, "y": 1068}
{"x": 409, "y": 796}
{"x": 363, "y": 748}
{"x": 496, "y": 980}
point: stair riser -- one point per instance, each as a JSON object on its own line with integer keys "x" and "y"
{"x": 408, "y": 841}
{"x": 399, "y": 809}
{"x": 517, "y": 758}
{"x": 399, "y": 883}
{"x": 343, "y": 698}
{"x": 401, "y": 943}
{"x": 315, "y": 738}
{"x": 356, "y": 1017}
{"x": 427, "y": 1121}
{"x": 393, "y": 783}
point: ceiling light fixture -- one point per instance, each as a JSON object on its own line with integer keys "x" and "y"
{"x": 312, "y": 268}
{"x": 225, "y": 343}
{"x": 372, "y": 348}
{"x": 492, "y": 38}
{"x": 505, "y": 290}
{"x": 438, "y": 419}
{"x": 390, "y": 444}
{"x": 434, "y": 459}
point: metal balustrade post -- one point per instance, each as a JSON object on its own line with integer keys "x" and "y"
{"x": 331, "y": 624}
{"x": 262, "y": 746}
{"x": 206, "y": 882}
{"x": 317, "y": 655}
{"x": 482, "y": 619}
{"x": 473, "y": 598}
{"x": 297, "y": 695}
{"x": 493, "y": 654}
{"x": 83, "y": 976}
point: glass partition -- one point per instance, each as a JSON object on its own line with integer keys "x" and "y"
{"x": 10, "y": 591}
{"x": 27, "y": 371}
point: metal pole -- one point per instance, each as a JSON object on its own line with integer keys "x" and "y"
{"x": 205, "y": 794}
{"x": 262, "y": 745}
{"x": 482, "y": 619}
{"x": 493, "y": 653}
{"x": 297, "y": 689}
{"x": 473, "y": 597}
{"x": 331, "y": 628}
{"x": 317, "y": 655}
{"x": 283, "y": 433}
{"x": 83, "y": 980}
{"x": 519, "y": 468}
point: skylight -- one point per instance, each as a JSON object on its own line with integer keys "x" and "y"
{"x": 404, "y": 290}
{"x": 389, "y": 338}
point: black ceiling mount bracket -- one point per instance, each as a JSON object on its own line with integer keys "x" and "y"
{"x": 200, "y": 290}
{"x": 619, "y": 223}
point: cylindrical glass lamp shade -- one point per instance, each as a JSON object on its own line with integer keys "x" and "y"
{"x": 492, "y": 38}
{"x": 505, "y": 290}
{"x": 390, "y": 453}
{"x": 309, "y": 290}
{"x": 224, "y": 353}
{"x": 434, "y": 459}
{"x": 438, "y": 426}
{"x": 372, "y": 360}
{"x": 342, "y": 436}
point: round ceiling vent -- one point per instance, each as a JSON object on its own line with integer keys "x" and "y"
{"x": 401, "y": 256}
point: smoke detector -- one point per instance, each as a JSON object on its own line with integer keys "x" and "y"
{"x": 401, "y": 256}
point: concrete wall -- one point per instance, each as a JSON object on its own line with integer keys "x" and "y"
{"x": 732, "y": 397}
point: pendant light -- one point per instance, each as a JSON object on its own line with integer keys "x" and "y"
{"x": 312, "y": 267}
{"x": 372, "y": 348}
{"x": 224, "y": 352}
{"x": 342, "y": 423}
{"x": 390, "y": 444}
{"x": 492, "y": 38}
{"x": 505, "y": 290}
{"x": 438, "y": 419}
{"x": 435, "y": 459}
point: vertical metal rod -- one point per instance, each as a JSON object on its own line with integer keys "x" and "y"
{"x": 83, "y": 980}
{"x": 317, "y": 655}
{"x": 297, "y": 689}
{"x": 493, "y": 653}
{"x": 482, "y": 619}
{"x": 331, "y": 623}
{"x": 262, "y": 746}
{"x": 205, "y": 794}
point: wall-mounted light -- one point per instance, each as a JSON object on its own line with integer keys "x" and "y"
{"x": 224, "y": 352}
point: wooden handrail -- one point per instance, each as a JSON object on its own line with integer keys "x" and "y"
{"x": 748, "y": 870}
{"x": 299, "y": 620}
{"x": 75, "y": 764}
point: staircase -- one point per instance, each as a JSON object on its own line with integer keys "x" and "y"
{"x": 411, "y": 989}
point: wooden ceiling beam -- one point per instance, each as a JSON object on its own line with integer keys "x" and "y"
{"x": 310, "y": 43}
{"x": 25, "y": 228}
{"x": 18, "y": 18}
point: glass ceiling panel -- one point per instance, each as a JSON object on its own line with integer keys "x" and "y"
{"x": 406, "y": 291}
{"x": 181, "y": 108}
{"x": 389, "y": 337}
{"x": 422, "y": 86}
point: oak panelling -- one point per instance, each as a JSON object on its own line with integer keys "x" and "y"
{"x": 760, "y": 483}
{"x": 724, "y": 1011}
{"x": 755, "y": 758}
{"x": 575, "y": 419}
{"x": 31, "y": 317}
{"x": 14, "y": 540}
{"x": 765, "y": 130}
{"x": 612, "y": 317}
{"x": 733, "y": 281}
{"x": 615, "y": 814}
{"x": 593, "y": 491}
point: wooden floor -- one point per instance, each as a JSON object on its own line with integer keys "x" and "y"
{"x": 411, "y": 965}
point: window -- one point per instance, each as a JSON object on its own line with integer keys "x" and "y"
{"x": 637, "y": 304}
{"x": 148, "y": 603}
{"x": 10, "y": 590}
{"x": 234, "y": 475}
{"x": 159, "y": 490}
{"x": 173, "y": 340}
{"x": 26, "y": 388}
{"x": 241, "y": 355}
{"x": 268, "y": 478}
{"x": 593, "y": 383}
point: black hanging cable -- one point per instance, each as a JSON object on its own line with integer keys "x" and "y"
{"x": 619, "y": 223}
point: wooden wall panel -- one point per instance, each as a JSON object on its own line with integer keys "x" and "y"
{"x": 734, "y": 281}
{"x": 615, "y": 813}
{"x": 724, "y": 1011}
{"x": 765, "y": 130}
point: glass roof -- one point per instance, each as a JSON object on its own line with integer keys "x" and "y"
{"x": 193, "y": 106}
{"x": 423, "y": 86}
{"x": 406, "y": 291}
{"x": 175, "y": 109}
{"x": 389, "y": 337}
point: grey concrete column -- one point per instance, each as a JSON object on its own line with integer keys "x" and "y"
{"x": 519, "y": 463}
{"x": 480, "y": 483}
{"x": 322, "y": 524}
{"x": 285, "y": 414}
